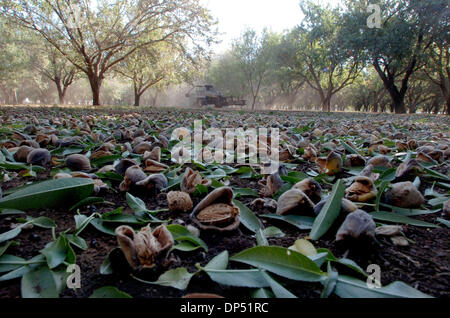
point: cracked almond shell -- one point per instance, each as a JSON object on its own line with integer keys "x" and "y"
{"x": 156, "y": 182}
{"x": 271, "y": 185}
{"x": 355, "y": 160}
{"x": 217, "y": 211}
{"x": 154, "y": 166}
{"x": 330, "y": 165}
{"x": 123, "y": 165}
{"x": 155, "y": 154}
{"x": 361, "y": 190}
{"x": 311, "y": 188}
{"x": 380, "y": 161}
{"x": 408, "y": 170}
{"x": 191, "y": 179}
{"x": 142, "y": 248}
{"x": 294, "y": 201}
{"x": 142, "y": 147}
{"x": 133, "y": 175}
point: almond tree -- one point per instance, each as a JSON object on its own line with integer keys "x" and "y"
{"x": 49, "y": 62}
{"x": 399, "y": 47}
{"x": 438, "y": 69}
{"x": 317, "y": 54}
{"x": 96, "y": 36}
{"x": 253, "y": 55}
{"x": 154, "y": 66}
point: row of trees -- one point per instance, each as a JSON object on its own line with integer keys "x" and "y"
{"x": 149, "y": 42}
{"x": 394, "y": 59}
{"x": 400, "y": 66}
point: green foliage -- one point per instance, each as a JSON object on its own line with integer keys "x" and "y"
{"x": 51, "y": 193}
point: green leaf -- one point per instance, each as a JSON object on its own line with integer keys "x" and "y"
{"x": 40, "y": 221}
{"x": 178, "y": 278}
{"x": 245, "y": 192}
{"x": 87, "y": 201}
{"x": 56, "y": 252}
{"x": 285, "y": 187}
{"x": 20, "y": 166}
{"x": 200, "y": 189}
{"x": 216, "y": 270}
{"x": 343, "y": 261}
{"x": 10, "y": 212}
{"x": 77, "y": 241}
{"x": 10, "y": 262}
{"x": 17, "y": 266}
{"x": 330, "y": 283}
{"x": 49, "y": 194}
{"x": 278, "y": 290}
{"x": 109, "y": 292}
{"x": 180, "y": 233}
{"x": 409, "y": 212}
{"x": 100, "y": 162}
{"x": 445, "y": 222}
{"x": 349, "y": 287}
{"x": 388, "y": 175}
{"x": 396, "y": 218}
{"x": 4, "y": 247}
{"x": 110, "y": 176}
{"x": 244, "y": 172}
{"x": 216, "y": 174}
{"x": 185, "y": 247}
{"x": 39, "y": 283}
{"x": 383, "y": 186}
{"x": 329, "y": 212}
{"x": 82, "y": 221}
{"x": 281, "y": 261}
{"x": 105, "y": 228}
{"x": 136, "y": 204}
{"x": 438, "y": 202}
{"x": 261, "y": 239}
{"x": 106, "y": 267}
{"x": 350, "y": 149}
{"x": 262, "y": 293}
{"x": 436, "y": 174}
{"x": 301, "y": 222}
{"x": 219, "y": 261}
{"x": 273, "y": 231}
{"x": 251, "y": 278}
{"x": 11, "y": 234}
{"x": 43, "y": 222}
{"x": 247, "y": 217}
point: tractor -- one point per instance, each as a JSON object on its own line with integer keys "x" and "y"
{"x": 205, "y": 95}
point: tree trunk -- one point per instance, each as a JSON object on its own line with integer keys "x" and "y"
{"x": 398, "y": 97}
{"x": 399, "y": 104}
{"x": 398, "y": 100}
{"x": 15, "y": 99}
{"x": 253, "y": 103}
{"x": 61, "y": 91}
{"x": 6, "y": 95}
{"x": 326, "y": 104}
{"x": 137, "y": 99}
{"x": 96, "y": 84}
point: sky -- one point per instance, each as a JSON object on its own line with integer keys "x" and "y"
{"x": 236, "y": 15}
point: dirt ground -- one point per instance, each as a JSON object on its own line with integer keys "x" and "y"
{"x": 424, "y": 264}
